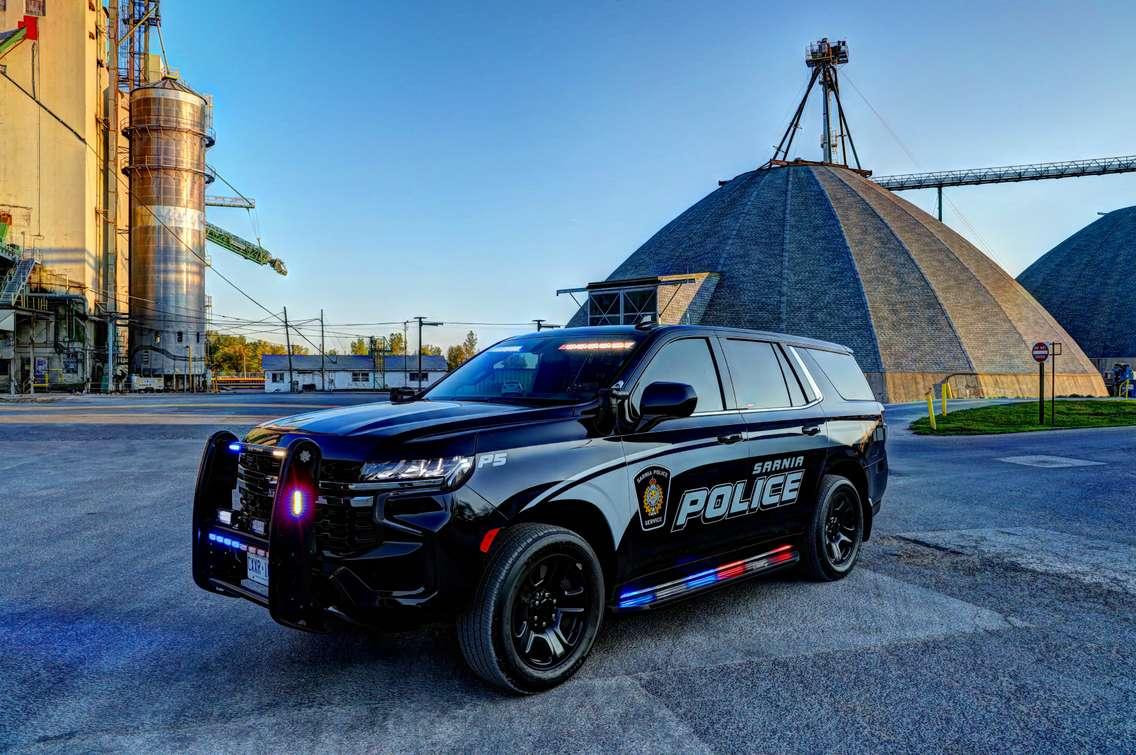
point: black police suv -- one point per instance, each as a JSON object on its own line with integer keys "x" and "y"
{"x": 552, "y": 478}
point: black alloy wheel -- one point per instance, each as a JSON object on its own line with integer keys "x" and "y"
{"x": 832, "y": 544}
{"x": 537, "y": 610}
{"x": 843, "y": 526}
{"x": 549, "y": 612}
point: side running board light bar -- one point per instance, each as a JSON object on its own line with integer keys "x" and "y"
{"x": 779, "y": 556}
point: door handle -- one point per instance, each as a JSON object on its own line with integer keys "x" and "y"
{"x": 728, "y": 439}
{"x": 811, "y": 429}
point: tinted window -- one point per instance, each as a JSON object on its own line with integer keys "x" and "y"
{"x": 561, "y": 369}
{"x": 758, "y": 381}
{"x": 686, "y": 361}
{"x": 803, "y": 375}
{"x": 844, "y": 374}
{"x": 796, "y": 390}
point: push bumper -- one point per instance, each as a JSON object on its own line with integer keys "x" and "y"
{"x": 422, "y": 560}
{"x": 220, "y": 554}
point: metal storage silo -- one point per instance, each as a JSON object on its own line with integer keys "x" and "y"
{"x": 169, "y": 133}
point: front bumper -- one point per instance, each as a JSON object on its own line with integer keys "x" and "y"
{"x": 419, "y": 559}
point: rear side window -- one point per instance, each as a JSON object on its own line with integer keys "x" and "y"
{"x": 685, "y": 361}
{"x": 796, "y": 390}
{"x": 844, "y": 374}
{"x": 759, "y": 382}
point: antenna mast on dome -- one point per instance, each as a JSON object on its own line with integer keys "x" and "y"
{"x": 823, "y": 57}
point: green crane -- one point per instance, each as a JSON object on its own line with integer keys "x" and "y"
{"x": 243, "y": 247}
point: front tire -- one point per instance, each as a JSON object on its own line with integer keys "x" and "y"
{"x": 536, "y": 611}
{"x": 832, "y": 543}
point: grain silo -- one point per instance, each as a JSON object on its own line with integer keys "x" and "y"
{"x": 169, "y": 133}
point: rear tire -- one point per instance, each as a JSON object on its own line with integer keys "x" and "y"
{"x": 536, "y": 611}
{"x": 836, "y": 532}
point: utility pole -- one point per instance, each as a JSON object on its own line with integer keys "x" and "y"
{"x": 419, "y": 319}
{"x": 110, "y": 191}
{"x": 422, "y": 321}
{"x": 382, "y": 344}
{"x": 288, "y": 345}
{"x": 372, "y": 349}
{"x": 323, "y": 365}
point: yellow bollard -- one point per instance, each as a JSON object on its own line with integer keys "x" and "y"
{"x": 931, "y": 409}
{"x": 944, "y": 392}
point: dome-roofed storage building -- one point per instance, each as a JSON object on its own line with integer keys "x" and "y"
{"x": 821, "y": 251}
{"x": 816, "y": 249}
{"x": 1086, "y": 283}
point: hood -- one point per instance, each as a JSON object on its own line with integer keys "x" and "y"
{"x": 385, "y": 420}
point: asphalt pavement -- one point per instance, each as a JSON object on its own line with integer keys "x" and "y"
{"x": 991, "y": 611}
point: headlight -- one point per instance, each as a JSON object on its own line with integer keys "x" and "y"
{"x": 446, "y": 474}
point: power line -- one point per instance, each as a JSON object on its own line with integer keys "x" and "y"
{"x": 985, "y": 247}
{"x": 271, "y": 315}
{"x": 130, "y": 191}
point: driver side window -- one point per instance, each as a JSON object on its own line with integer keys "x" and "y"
{"x": 685, "y": 361}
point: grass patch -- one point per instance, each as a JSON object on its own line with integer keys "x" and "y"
{"x": 1022, "y": 417}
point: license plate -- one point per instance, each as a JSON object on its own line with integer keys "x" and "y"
{"x": 258, "y": 569}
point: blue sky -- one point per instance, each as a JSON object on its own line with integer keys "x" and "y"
{"x": 464, "y": 160}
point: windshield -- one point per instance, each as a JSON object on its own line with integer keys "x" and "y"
{"x": 567, "y": 369}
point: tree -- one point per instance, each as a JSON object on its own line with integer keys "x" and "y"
{"x": 430, "y": 350}
{"x": 236, "y": 355}
{"x": 397, "y": 344}
{"x": 455, "y": 357}
{"x": 470, "y": 344}
{"x": 360, "y": 347}
{"x": 458, "y": 355}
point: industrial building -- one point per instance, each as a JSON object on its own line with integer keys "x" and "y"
{"x": 63, "y": 261}
{"x": 346, "y": 373}
{"x": 1086, "y": 282}
{"x": 817, "y": 249}
{"x": 102, "y": 202}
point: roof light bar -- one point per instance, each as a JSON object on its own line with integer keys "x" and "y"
{"x": 597, "y": 346}
{"x": 700, "y": 580}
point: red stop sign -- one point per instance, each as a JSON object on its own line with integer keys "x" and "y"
{"x": 1040, "y": 351}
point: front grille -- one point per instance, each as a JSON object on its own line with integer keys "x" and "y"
{"x": 340, "y": 526}
{"x": 257, "y": 474}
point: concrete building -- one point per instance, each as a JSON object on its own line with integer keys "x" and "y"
{"x": 1086, "y": 282}
{"x": 63, "y": 205}
{"x": 819, "y": 250}
{"x": 345, "y": 373}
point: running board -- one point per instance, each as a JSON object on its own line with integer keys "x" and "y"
{"x": 648, "y": 596}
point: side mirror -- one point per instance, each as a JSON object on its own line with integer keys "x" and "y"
{"x": 663, "y": 400}
{"x": 401, "y": 395}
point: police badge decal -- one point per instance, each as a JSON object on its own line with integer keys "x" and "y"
{"x": 652, "y": 486}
